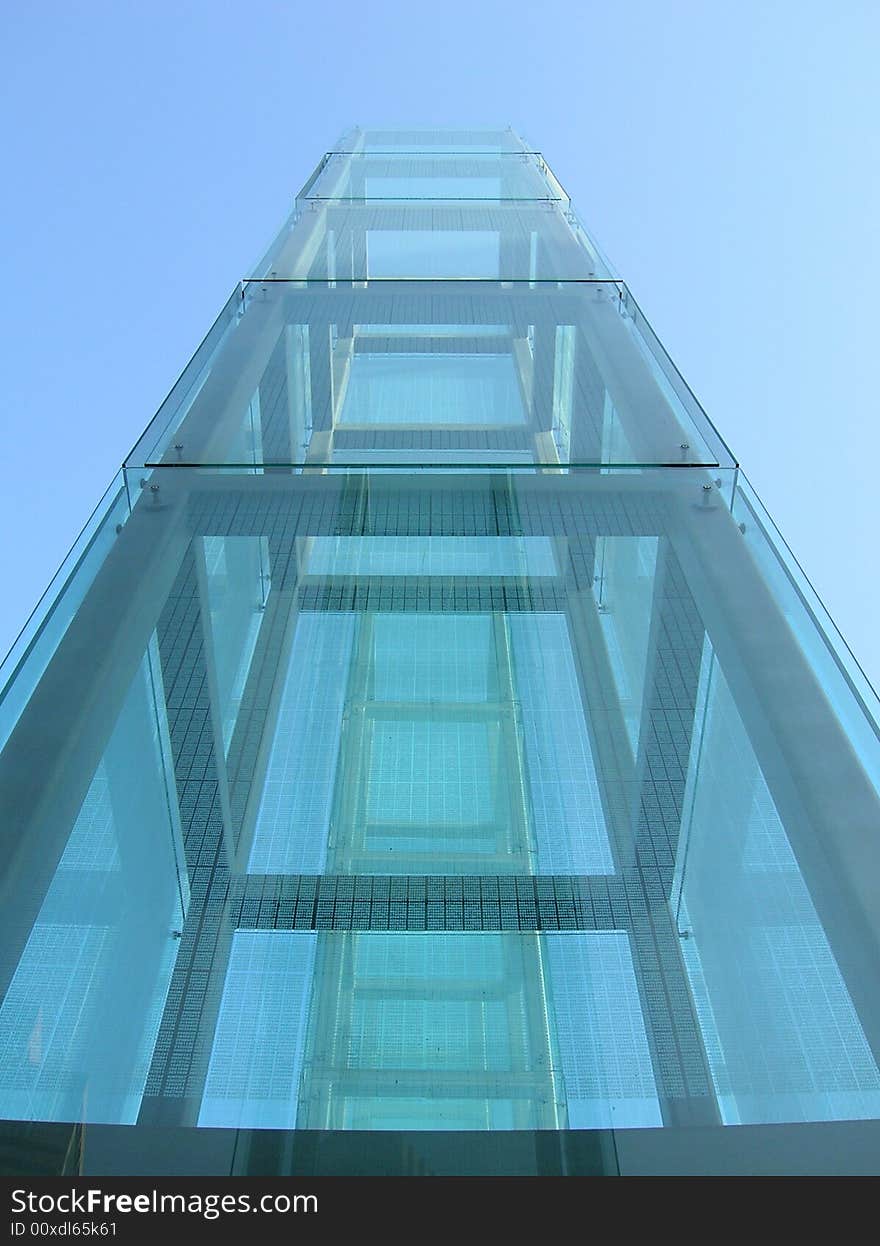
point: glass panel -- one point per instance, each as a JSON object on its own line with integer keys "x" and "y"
{"x": 512, "y": 176}
{"x": 784, "y": 1039}
{"x": 774, "y": 899}
{"x": 341, "y": 226}
{"x": 563, "y": 389}
{"x": 454, "y": 743}
{"x": 563, "y": 376}
{"x": 418, "y": 389}
{"x": 854, "y": 700}
{"x": 27, "y": 659}
{"x": 236, "y": 571}
{"x": 429, "y": 1031}
{"x": 624, "y": 587}
{"x": 82, "y": 1009}
{"x": 206, "y": 362}
{"x": 257, "y": 1055}
{"x": 428, "y": 253}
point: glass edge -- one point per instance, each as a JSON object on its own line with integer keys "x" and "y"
{"x": 651, "y": 337}
{"x": 342, "y": 282}
{"x": 438, "y": 155}
{"x": 55, "y": 589}
{"x": 835, "y": 641}
{"x": 434, "y": 199}
{"x": 439, "y": 468}
{"x": 229, "y": 306}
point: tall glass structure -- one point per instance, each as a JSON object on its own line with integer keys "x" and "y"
{"x": 431, "y": 737}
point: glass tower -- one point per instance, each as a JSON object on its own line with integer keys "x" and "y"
{"x": 431, "y": 736}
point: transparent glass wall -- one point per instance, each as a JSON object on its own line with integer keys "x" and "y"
{"x": 84, "y": 1001}
{"x": 431, "y": 734}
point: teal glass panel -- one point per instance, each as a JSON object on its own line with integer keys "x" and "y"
{"x": 563, "y": 389}
{"x": 292, "y": 824}
{"x": 774, "y": 897}
{"x": 453, "y": 742}
{"x": 434, "y": 556}
{"x": 429, "y": 1032}
{"x": 235, "y": 581}
{"x": 566, "y": 810}
{"x": 32, "y": 650}
{"x": 854, "y": 700}
{"x": 416, "y": 389}
{"x": 256, "y": 1058}
{"x": 404, "y": 253}
{"x": 81, "y": 1012}
{"x": 206, "y": 363}
{"x": 784, "y": 1039}
{"x": 625, "y": 582}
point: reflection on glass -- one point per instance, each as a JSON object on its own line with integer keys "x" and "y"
{"x": 237, "y": 582}
{"x": 624, "y": 589}
{"x": 449, "y": 744}
{"x": 784, "y": 1040}
{"x": 429, "y": 1032}
{"x": 81, "y": 1013}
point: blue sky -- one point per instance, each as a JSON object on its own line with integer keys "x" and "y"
{"x": 726, "y": 157}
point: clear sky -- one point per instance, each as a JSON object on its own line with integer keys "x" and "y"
{"x": 725, "y": 156}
